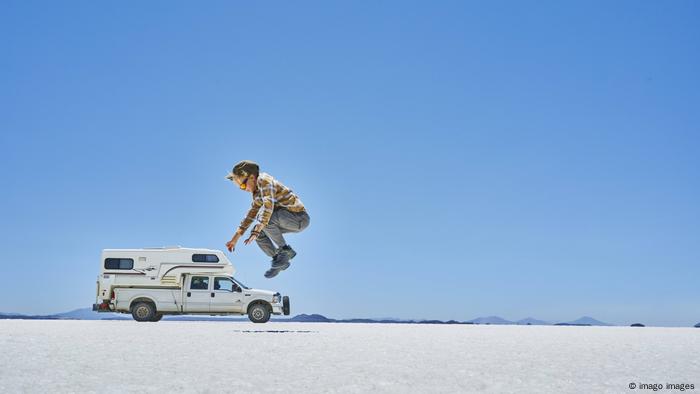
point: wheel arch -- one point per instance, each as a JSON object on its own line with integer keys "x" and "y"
{"x": 258, "y": 301}
{"x": 138, "y": 299}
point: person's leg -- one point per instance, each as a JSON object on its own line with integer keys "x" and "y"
{"x": 265, "y": 243}
{"x": 283, "y": 221}
{"x": 292, "y": 222}
{"x": 275, "y": 229}
{"x": 304, "y": 220}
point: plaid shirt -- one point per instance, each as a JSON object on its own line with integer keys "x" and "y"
{"x": 270, "y": 194}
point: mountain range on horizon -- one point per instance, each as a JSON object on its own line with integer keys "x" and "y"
{"x": 89, "y": 314}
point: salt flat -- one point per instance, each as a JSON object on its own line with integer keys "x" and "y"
{"x": 169, "y": 356}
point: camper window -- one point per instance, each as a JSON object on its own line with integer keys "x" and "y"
{"x": 119, "y": 264}
{"x": 205, "y": 258}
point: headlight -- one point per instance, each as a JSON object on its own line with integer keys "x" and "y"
{"x": 276, "y": 298}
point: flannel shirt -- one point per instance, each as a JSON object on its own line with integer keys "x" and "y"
{"x": 270, "y": 194}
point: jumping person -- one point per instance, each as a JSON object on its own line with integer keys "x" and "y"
{"x": 277, "y": 209}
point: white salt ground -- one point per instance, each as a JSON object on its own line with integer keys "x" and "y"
{"x": 222, "y": 357}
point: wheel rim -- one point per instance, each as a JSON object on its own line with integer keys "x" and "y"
{"x": 142, "y": 312}
{"x": 258, "y": 313}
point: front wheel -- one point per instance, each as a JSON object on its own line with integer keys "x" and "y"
{"x": 259, "y": 313}
{"x": 157, "y": 317}
{"x": 143, "y": 311}
{"x": 285, "y": 305}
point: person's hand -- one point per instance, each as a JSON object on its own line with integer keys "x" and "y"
{"x": 253, "y": 234}
{"x": 231, "y": 245}
{"x": 250, "y": 239}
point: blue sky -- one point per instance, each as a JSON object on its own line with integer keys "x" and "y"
{"x": 458, "y": 159}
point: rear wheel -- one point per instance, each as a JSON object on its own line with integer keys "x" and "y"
{"x": 259, "y": 313}
{"x": 143, "y": 311}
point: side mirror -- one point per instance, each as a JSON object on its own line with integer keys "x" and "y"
{"x": 238, "y": 289}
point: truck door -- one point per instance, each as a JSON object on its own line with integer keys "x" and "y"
{"x": 226, "y": 296}
{"x": 197, "y": 294}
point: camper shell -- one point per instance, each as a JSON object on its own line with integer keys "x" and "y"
{"x": 152, "y": 282}
{"x": 157, "y": 267}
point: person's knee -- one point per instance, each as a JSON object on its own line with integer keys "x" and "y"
{"x": 304, "y": 222}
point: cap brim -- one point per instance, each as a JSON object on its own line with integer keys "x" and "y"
{"x": 230, "y": 176}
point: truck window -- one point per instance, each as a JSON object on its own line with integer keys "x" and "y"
{"x": 119, "y": 264}
{"x": 199, "y": 283}
{"x": 205, "y": 258}
{"x": 224, "y": 284}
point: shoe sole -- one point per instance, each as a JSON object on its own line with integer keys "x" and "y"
{"x": 281, "y": 267}
{"x": 274, "y": 271}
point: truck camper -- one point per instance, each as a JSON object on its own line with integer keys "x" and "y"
{"x": 151, "y": 282}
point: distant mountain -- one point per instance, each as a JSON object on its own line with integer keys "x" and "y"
{"x": 490, "y": 320}
{"x": 394, "y": 319}
{"x": 533, "y": 322}
{"x": 76, "y": 314}
{"x": 86, "y": 314}
{"x": 697, "y": 325}
{"x": 27, "y": 317}
{"x": 10, "y": 314}
{"x": 313, "y": 318}
{"x": 364, "y": 321}
{"x": 437, "y": 322}
{"x": 585, "y": 321}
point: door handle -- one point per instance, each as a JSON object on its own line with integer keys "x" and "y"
{"x": 189, "y": 294}
{"x": 212, "y": 295}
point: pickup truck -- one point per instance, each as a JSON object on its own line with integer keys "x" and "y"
{"x": 151, "y": 283}
{"x": 202, "y": 294}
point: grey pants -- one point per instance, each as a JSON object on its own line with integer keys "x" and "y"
{"x": 282, "y": 221}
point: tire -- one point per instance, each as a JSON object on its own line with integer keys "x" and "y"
{"x": 143, "y": 311}
{"x": 285, "y": 305}
{"x": 157, "y": 317}
{"x": 259, "y": 312}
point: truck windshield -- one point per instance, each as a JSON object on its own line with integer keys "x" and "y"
{"x": 240, "y": 284}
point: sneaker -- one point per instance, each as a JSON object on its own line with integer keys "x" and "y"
{"x": 288, "y": 251}
{"x": 276, "y": 268}
{"x": 282, "y": 257}
{"x": 271, "y": 273}
{"x": 280, "y": 264}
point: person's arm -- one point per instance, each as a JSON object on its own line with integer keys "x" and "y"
{"x": 267, "y": 192}
{"x": 250, "y": 217}
{"x": 245, "y": 223}
{"x": 268, "y": 204}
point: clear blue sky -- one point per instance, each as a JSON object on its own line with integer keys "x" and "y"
{"x": 458, "y": 159}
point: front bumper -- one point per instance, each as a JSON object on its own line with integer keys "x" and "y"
{"x": 281, "y": 308}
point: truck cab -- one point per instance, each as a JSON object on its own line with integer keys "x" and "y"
{"x": 213, "y": 293}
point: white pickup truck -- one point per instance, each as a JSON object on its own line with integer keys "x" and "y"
{"x": 150, "y": 283}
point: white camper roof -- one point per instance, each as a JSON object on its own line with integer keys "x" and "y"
{"x": 163, "y": 248}
{"x": 165, "y": 263}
